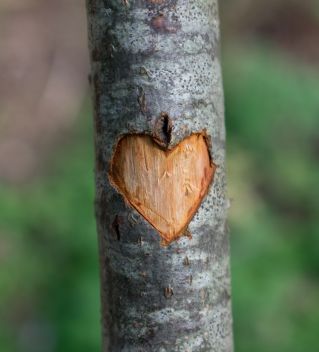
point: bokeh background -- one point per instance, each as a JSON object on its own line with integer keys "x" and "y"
{"x": 49, "y": 286}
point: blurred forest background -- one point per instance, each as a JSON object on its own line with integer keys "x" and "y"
{"x": 49, "y": 286}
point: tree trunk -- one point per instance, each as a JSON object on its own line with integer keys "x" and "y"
{"x": 160, "y": 176}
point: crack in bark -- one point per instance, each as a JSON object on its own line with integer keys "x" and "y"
{"x": 163, "y": 130}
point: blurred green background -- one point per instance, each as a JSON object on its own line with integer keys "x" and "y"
{"x": 49, "y": 286}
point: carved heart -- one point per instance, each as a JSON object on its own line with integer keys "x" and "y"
{"x": 165, "y": 186}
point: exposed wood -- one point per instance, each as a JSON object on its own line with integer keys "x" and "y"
{"x": 165, "y": 186}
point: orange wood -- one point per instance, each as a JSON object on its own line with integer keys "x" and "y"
{"x": 165, "y": 186}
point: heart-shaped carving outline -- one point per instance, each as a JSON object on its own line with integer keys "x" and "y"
{"x": 134, "y": 143}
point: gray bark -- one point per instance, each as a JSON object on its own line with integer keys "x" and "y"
{"x": 156, "y": 63}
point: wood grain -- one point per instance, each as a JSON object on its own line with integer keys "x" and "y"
{"x": 165, "y": 186}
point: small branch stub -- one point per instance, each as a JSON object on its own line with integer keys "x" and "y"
{"x": 165, "y": 186}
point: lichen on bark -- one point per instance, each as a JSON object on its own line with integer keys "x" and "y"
{"x": 157, "y": 61}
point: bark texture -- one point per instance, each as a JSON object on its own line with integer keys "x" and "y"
{"x": 156, "y": 71}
